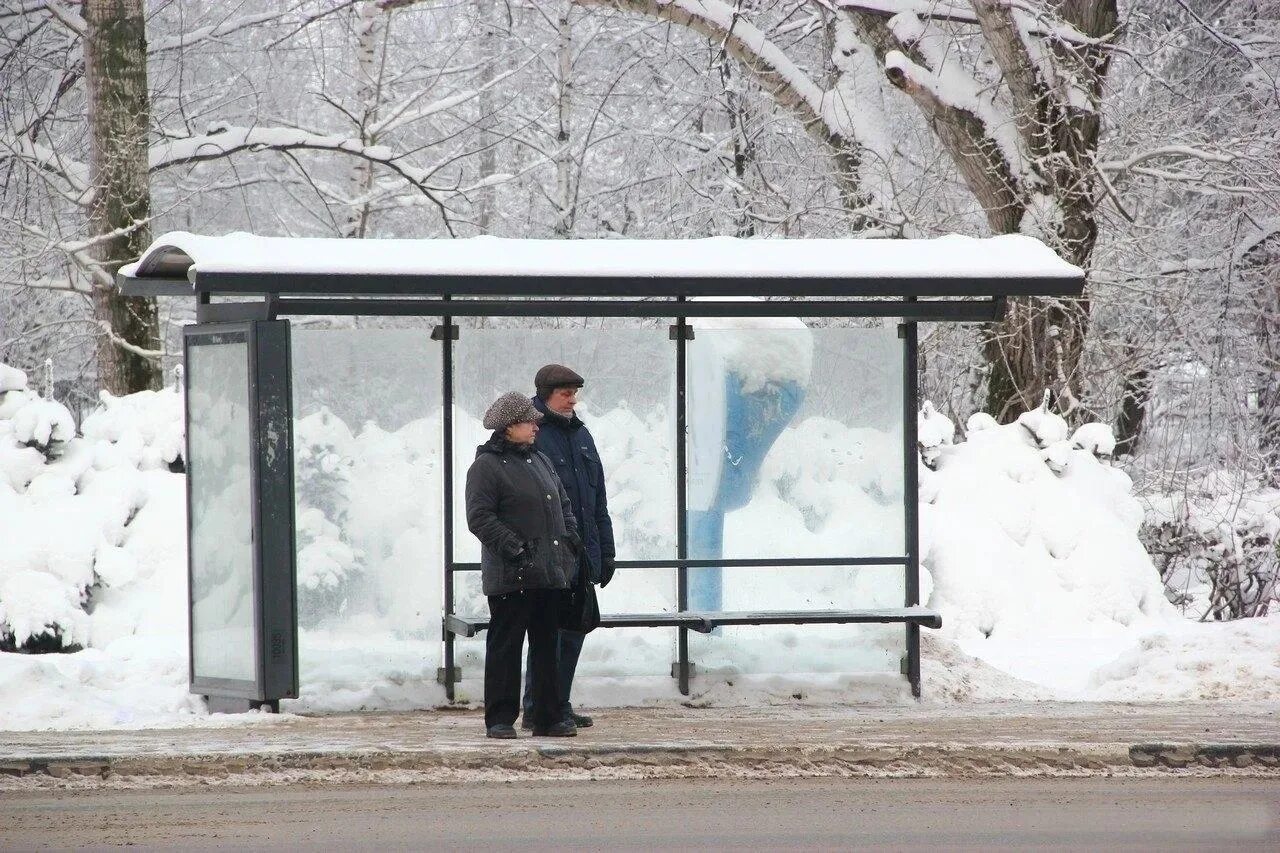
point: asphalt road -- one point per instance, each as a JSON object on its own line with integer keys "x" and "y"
{"x": 1093, "y": 813}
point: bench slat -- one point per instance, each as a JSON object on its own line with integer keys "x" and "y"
{"x": 704, "y": 621}
{"x": 922, "y": 616}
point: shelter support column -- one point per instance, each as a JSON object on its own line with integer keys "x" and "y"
{"x": 911, "y": 493}
{"x": 448, "y": 674}
{"x": 683, "y": 668}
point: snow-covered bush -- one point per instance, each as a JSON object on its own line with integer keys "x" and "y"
{"x": 67, "y": 504}
{"x": 328, "y": 566}
{"x": 145, "y": 429}
{"x": 1025, "y": 532}
{"x": 934, "y": 431}
{"x": 1217, "y": 546}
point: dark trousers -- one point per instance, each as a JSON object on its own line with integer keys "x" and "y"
{"x": 568, "y": 649}
{"x": 511, "y": 617}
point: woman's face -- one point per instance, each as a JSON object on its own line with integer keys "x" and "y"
{"x": 522, "y": 433}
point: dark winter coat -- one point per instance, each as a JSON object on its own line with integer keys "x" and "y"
{"x": 516, "y": 501}
{"x": 572, "y": 450}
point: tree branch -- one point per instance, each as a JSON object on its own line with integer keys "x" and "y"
{"x": 981, "y": 161}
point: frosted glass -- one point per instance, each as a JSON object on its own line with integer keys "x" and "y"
{"x": 628, "y": 404}
{"x": 222, "y": 618}
{"x": 368, "y": 487}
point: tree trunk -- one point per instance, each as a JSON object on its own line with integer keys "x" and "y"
{"x": 115, "y": 59}
{"x": 1268, "y": 333}
{"x": 487, "y": 197}
{"x": 564, "y": 104}
{"x": 743, "y": 149}
{"x": 1133, "y": 406}
{"x": 371, "y": 25}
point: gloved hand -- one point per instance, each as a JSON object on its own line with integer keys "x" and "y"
{"x": 575, "y": 542}
{"x": 524, "y": 559}
{"x": 606, "y": 571}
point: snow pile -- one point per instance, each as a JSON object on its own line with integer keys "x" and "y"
{"x": 93, "y": 554}
{"x": 1192, "y": 660}
{"x": 1026, "y": 535}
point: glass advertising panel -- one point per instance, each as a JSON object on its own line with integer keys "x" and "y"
{"x": 223, "y": 625}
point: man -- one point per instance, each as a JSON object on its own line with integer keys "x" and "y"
{"x": 568, "y": 443}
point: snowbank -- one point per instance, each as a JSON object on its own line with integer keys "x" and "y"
{"x": 1029, "y": 542}
{"x": 93, "y": 555}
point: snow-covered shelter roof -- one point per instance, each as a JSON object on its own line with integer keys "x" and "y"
{"x": 1011, "y": 265}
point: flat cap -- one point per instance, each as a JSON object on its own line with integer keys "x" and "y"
{"x": 552, "y": 376}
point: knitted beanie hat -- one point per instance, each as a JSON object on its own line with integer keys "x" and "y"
{"x": 511, "y": 408}
{"x": 552, "y": 376}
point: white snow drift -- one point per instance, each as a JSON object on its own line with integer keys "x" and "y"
{"x": 1029, "y": 541}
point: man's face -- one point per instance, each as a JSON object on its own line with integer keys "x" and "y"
{"x": 562, "y": 400}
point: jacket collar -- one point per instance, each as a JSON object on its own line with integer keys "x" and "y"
{"x": 554, "y": 418}
{"x": 499, "y": 445}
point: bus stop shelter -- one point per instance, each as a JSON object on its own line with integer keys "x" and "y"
{"x": 754, "y": 401}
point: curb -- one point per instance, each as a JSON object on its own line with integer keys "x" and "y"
{"x": 643, "y": 762}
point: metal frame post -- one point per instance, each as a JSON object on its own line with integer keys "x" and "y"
{"x": 682, "y": 516}
{"x": 448, "y": 674}
{"x": 911, "y": 493}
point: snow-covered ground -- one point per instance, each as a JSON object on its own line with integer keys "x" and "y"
{"x": 1029, "y": 537}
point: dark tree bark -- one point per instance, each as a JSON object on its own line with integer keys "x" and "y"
{"x": 115, "y": 59}
{"x": 1133, "y": 409}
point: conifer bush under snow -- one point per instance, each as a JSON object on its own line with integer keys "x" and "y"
{"x": 67, "y": 503}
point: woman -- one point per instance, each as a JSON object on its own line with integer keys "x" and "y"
{"x": 528, "y": 535}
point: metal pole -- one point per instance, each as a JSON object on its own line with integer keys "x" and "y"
{"x": 682, "y": 516}
{"x": 911, "y": 493}
{"x": 447, "y": 469}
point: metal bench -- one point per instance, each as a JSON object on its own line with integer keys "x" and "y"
{"x": 705, "y": 621}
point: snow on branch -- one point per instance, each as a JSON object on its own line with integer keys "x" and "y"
{"x": 934, "y": 10}
{"x": 788, "y": 84}
{"x": 214, "y": 31}
{"x": 1167, "y": 151}
{"x": 224, "y": 140}
{"x": 69, "y": 178}
{"x": 61, "y": 12}
{"x": 963, "y": 120}
{"x": 401, "y": 114}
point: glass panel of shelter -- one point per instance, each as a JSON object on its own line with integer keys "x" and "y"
{"x": 796, "y": 451}
{"x": 367, "y": 409}
{"x": 628, "y": 402}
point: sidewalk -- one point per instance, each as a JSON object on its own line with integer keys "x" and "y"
{"x": 1020, "y": 739}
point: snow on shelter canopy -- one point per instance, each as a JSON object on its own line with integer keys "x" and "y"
{"x": 381, "y": 273}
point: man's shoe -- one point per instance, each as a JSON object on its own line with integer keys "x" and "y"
{"x": 502, "y": 731}
{"x": 582, "y": 721}
{"x": 564, "y": 728}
